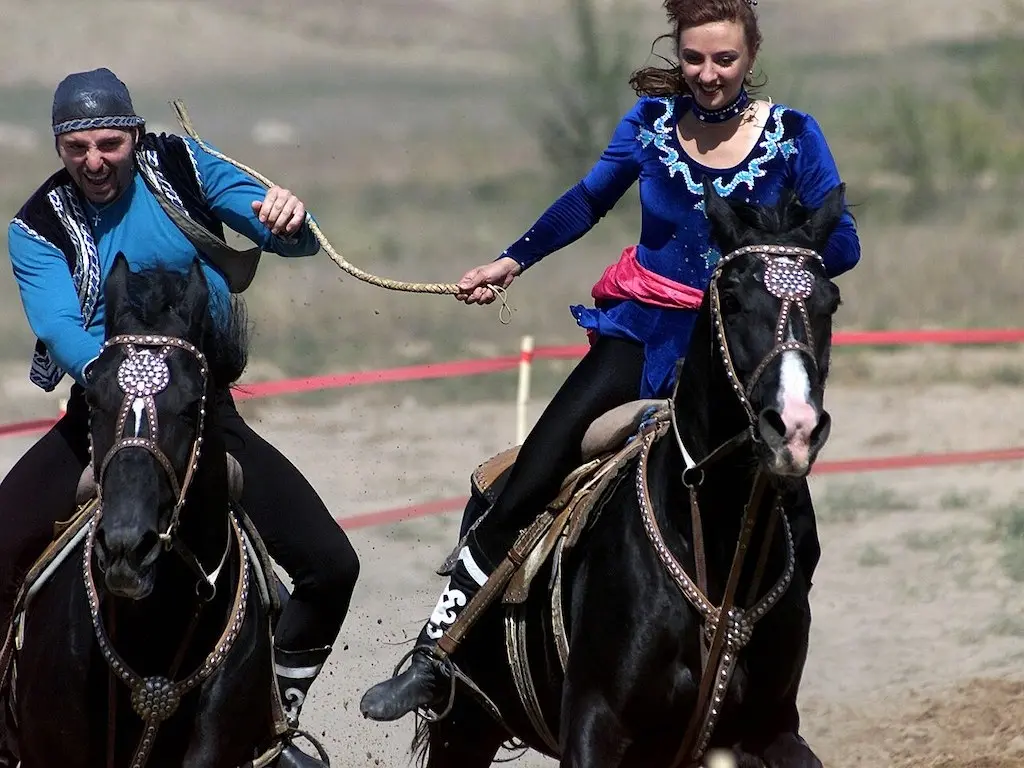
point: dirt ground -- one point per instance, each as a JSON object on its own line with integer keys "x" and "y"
{"x": 917, "y": 651}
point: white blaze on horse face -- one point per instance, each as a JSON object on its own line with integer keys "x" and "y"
{"x": 798, "y": 413}
{"x": 138, "y": 408}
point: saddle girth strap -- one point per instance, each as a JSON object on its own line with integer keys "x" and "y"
{"x": 522, "y": 674}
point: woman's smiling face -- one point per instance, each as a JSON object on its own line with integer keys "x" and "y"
{"x": 715, "y": 59}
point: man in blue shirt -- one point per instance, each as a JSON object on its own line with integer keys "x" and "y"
{"x": 62, "y": 246}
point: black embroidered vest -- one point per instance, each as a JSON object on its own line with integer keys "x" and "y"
{"x": 55, "y": 214}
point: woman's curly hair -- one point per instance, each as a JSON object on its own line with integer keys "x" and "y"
{"x": 682, "y": 14}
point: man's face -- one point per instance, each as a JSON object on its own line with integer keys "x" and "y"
{"x": 99, "y": 161}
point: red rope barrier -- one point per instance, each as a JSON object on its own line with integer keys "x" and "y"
{"x": 841, "y": 466}
{"x": 383, "y": 376}
{"x": 26, "y": 427}
{"x": 571, "y": 351}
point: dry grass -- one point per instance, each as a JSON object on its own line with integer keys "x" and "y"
{"x": 413, "y": 150}
{"x": 165, "y": 41}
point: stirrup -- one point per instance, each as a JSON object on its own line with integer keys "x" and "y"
{"x": 278, "y": 746}
{"x": 290, "y": 735}
{"x": 447, "y": 668}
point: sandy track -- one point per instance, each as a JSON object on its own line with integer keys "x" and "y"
{"x": 917, "y": 626}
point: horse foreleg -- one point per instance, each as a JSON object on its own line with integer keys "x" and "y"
{"x": 234, "y": 711}
{"x": 594, "y": 736}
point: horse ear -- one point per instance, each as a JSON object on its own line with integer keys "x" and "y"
{"x": 819, "y": 227}
{"x": 115, "y": 289}
{"x": 197, "y": 295}
{"x": 726, "y": 226}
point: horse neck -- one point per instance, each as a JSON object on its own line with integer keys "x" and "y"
{"x": 709, "y": 414}
{"x": 722, "y": 499}
{"x": 708, "y": 411}
{"x": 204, "y": 516}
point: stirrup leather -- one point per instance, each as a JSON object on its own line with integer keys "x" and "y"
{"x": 487, "y": 594}
{"x": 494, "y": 585}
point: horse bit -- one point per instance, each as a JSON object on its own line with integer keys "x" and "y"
{"x": 142, "y": 375}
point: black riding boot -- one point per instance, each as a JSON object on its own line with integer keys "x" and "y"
{"x": 424, "y": 684}
{"x": 296, "y": 671}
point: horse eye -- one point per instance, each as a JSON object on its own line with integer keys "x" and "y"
{"x": 729, "y": 303}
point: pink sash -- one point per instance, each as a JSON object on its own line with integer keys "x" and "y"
{"x": 628, "y": 279}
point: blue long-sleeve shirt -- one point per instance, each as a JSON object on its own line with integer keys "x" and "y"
{"x": 137, "y": 226}
{"x": 675, "y": 232}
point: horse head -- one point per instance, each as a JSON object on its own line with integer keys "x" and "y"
{"x": 770, "y": 305}
{"x": 148, "y": 397}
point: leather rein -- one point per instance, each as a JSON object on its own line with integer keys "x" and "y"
{"x": 142, "y": 375}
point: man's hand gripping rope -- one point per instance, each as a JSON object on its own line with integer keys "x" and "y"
{"x": 504, "y": 314}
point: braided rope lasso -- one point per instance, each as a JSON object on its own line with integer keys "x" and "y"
{"x": 504, "y": 313}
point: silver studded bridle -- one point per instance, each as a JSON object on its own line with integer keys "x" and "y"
{"x": 142, "y": 375}
{"x": 787, "y": 278}
{"x": 728, "y": 627}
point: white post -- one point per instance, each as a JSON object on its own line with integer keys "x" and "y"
{"x": 523, "y": 395}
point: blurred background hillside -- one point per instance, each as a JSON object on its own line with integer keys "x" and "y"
{"x": 428, "y": 135}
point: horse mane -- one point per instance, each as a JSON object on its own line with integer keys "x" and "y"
{"x": 785, "y": 216}
{"x": 156, "y": 292}
{"x": 227, "y": 347}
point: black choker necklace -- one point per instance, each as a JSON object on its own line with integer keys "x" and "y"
{"x": 727, "y": 112}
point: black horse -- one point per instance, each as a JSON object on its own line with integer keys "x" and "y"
{"x": 643, "y": 588}
{"x": 150, "y": 644}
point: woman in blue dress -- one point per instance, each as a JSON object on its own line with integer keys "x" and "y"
{"x": 692, "y": 120}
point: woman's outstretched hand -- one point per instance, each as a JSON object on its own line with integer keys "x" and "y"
{"x": 473, "y": 285}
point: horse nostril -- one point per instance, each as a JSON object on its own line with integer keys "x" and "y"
{"x": 821, "y": 432}
{"x": 147, "y": 550}
{"x": 771, "y": 425}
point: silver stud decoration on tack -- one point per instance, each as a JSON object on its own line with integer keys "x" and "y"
{"x": 784, "y": 279}
{"x": 739, "y": 623}
{"x": 143, "y": 375}
{"x": 155, "y": 699}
